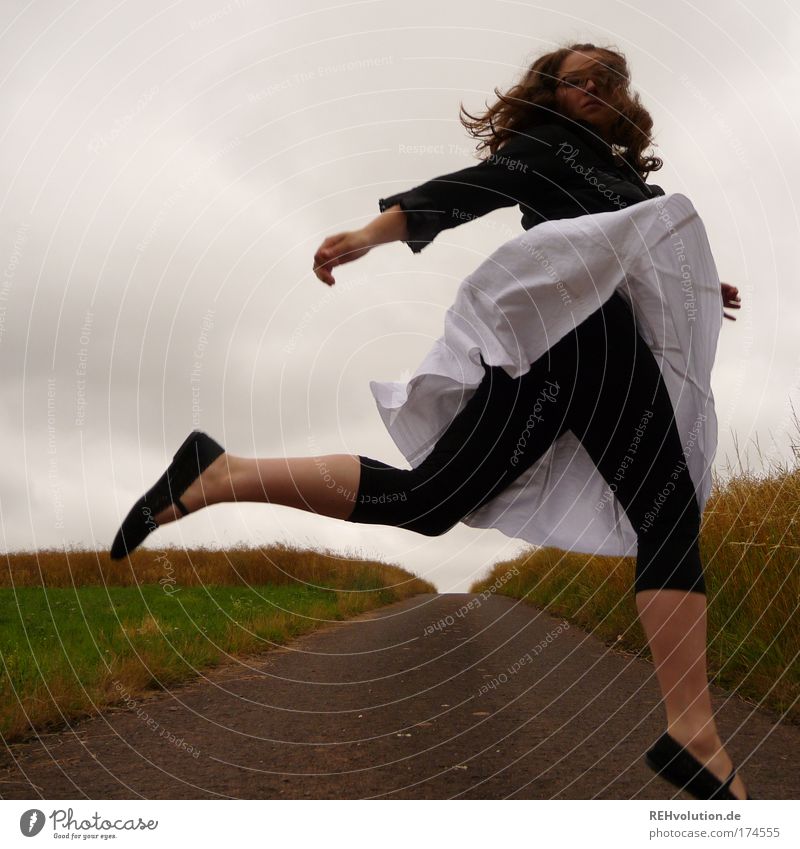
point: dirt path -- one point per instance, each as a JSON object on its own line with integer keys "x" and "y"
{"x": 389, "y": 705}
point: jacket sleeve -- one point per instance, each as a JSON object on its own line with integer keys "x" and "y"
{"x": 452, "y": 199}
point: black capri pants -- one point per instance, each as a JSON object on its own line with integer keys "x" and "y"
{"x": 602, "y": 382}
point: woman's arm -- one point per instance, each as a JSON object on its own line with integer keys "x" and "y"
{"x": 512, "y": 175}
{"x": 389, "y": 226}
{"x": 416, "y": 216}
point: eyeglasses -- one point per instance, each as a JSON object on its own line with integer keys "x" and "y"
{"x": 603, "y": 80}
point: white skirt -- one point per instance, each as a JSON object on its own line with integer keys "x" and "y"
{"x": 525, "y": 297}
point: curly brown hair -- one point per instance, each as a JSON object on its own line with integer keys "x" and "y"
{"x": 532, "y": 102}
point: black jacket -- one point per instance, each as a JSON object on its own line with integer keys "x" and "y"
{"x": 560, "y": 169}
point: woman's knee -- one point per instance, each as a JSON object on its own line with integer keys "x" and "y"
{"x": 670, "y": 557}
{"x": 668, "y": 535}
{"x": 410, "y": 515}
{"x": 433, "y": 523}
{"x": 412, "y": 499}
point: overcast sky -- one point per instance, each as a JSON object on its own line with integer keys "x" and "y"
{"x": 168, "y": 171}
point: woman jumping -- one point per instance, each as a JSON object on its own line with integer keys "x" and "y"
{"x": 566, "y": 142}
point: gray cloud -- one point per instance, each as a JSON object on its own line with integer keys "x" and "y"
{"x": 168, "y": 172}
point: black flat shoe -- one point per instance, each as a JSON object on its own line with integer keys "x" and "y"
{"x": 196, "y": 454}
{"x": 672, "y": 762}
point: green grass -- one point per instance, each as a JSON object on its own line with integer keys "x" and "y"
{"x": 66, "y": 651}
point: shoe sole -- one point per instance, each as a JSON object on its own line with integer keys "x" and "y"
{"x": 662, "y": 772}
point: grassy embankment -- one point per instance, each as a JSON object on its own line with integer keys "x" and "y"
{"x": 74, "y": 624}
{"x": 750, "y": 545}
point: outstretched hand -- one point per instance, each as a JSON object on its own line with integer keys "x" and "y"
{"x": 730, "y": 299}
{"x": 338, "y": 249}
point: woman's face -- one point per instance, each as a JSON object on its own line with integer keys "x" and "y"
{"x": 587, "y": 97}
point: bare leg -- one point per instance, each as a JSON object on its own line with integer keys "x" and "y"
{"x": 675, "y": 624}
{"x": 327, "y": 484}
{"x": 674, "y": 621}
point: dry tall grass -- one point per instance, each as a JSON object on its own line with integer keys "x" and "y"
{"x": 275, "y": 564}
{"x": 750, "y": 544}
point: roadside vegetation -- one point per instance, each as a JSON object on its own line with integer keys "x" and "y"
{"x": 77, "y": 629}
{"x": 750, "y": 545}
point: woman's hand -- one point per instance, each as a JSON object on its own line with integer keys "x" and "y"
{"x": 730, "y": 299}
{"x": 338, "y": 249}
